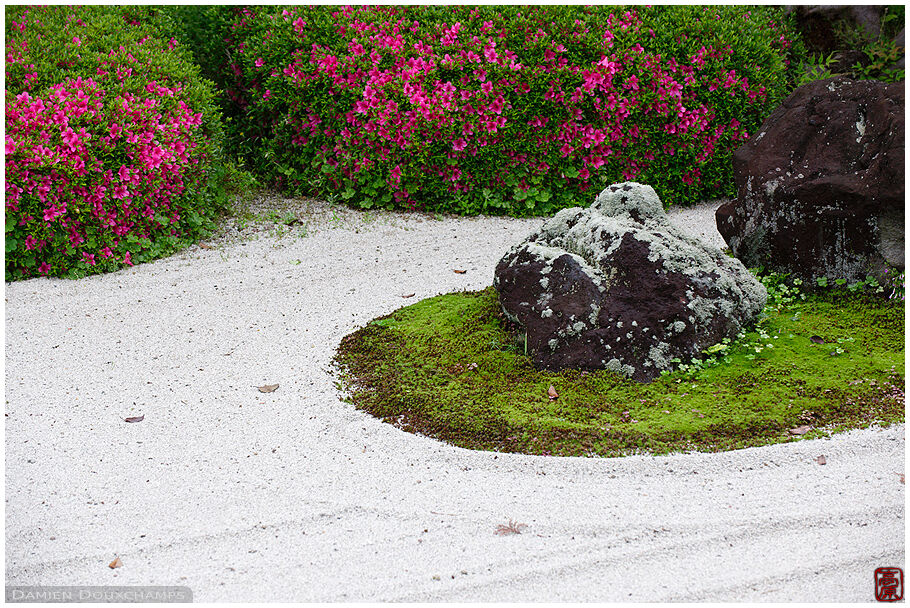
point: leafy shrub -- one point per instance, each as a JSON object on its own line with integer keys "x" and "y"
{"x": 203, "y": 30}
{"x": 880, "y": 59}
{"x": 516, "y": 110}
{"x": 112, "y": 142}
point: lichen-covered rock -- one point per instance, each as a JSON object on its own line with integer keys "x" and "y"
{"x": 616, "y": 286}
{"x": 820, "y": 186}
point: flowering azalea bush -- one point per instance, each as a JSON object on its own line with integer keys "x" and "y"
{"x": 111, "y": 143}
{"x": 516, "y": 110}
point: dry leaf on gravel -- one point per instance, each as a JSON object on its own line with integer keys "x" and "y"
{"x": 800, "y": 430}
{"x": 902, "y": 477}
{"x": 115, "y": 564}
{"x": 410, "y": 295}
{"x": 510, "y": 528}
{"x": 460, "y": 271}
{"x": 135, "y": 418}
{"x": 821, "y": 460}
{"x": 268, "y": 388}
{"x": 551, "y": 393}
{"x": 204, "y": 246}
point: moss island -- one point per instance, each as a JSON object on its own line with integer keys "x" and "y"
{"x": 453, "y": 368}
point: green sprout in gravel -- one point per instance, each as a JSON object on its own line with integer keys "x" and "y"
{"x": 452, "y": 368}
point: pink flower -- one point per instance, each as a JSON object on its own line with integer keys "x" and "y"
{"x": 44, "y": 268}
{"x": 89, "y": 258}
{"x": 611, "y": 67}
{"x": 106, "y": 252}
{"x": 458, "y": 144}
{"x": 70, "y": 138}
{"x": 77, "y": 41}
{"x": 259, "y": 62}
{"x": 126, "y": 259}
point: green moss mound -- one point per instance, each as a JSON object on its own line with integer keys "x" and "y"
{"x": 451, "y": 367}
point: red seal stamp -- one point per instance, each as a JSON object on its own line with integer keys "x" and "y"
{"x": 889, "y": 584}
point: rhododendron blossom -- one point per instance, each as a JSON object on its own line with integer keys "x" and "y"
{"x": 373, "y": 104}
{"x": 94, "y": 166}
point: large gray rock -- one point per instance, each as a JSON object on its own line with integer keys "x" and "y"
{"x": 820, "y": 186}
{"x": 616, "y": 286}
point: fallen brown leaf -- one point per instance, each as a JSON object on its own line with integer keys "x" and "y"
{"x": 410, "y": 295}
{"x": 115, "y": 564}
{"x": 551, "y": 393}
{"x": 902, "y": 477}
{"x": 817, "y": 339}
{"x": 800, "y": 430}
{"x": 268, "y": 388}
{"x": 821, "y": 460}
{"x": 135, "y": 418}
{"x": 510, "y": 528}
{"x": 460, "y": 271}
{"x": 204, "y": 246}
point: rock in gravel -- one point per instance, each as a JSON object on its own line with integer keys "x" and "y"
{"x": 617, "y": 286}
{"x": 820, "y": 186}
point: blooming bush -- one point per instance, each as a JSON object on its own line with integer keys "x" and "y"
{"x": 112, "y": 147}
{"x": 516, "y": 110}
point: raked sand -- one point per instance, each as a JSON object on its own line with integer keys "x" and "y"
{"x": 296, "y": 496}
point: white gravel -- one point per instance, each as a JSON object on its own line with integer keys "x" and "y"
{"x": 296, "y": 496}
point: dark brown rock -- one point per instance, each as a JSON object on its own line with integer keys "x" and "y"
{"x": 617, "y": 286}
{"x": 845, "y": 61}
{"x": 822, "y": 26}
{"x": 820, "y": 186}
